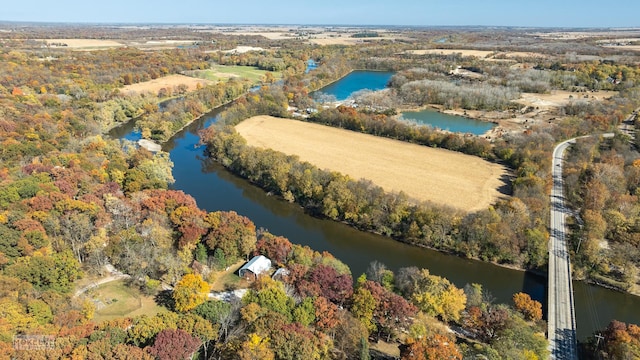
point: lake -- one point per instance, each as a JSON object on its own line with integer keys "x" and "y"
{"x": 453, "y": 123}
{"x": 357, "y": 80}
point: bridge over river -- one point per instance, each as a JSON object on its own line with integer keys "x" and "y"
{"x": 561, "y": 311}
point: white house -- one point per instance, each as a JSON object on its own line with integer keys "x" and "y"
{"x": 256, "y": 266}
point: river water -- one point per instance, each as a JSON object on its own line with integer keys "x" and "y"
{"x": 214, "y": 189}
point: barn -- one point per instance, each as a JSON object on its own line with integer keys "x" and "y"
{"x": 256, "y": 266}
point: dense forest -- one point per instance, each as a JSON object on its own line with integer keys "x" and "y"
{"x": 73, "y": 202}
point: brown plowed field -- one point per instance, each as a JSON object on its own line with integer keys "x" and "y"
{"x": 444, "y": 177}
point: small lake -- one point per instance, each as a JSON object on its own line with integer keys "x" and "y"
{"x": 447, "y": 122}
{"x": 357, "y": 80}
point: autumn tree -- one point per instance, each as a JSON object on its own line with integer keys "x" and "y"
{"x": 621, "y": 341}
{"x": 436, "y": 296}
{"x": 276, "y": 248}
{"x": 255, "y": 348}
{"x": 326, "y": 281}
{"x": 392, "y": 313}
{"x": 174, "y": 344}
{"x": 531, "y": 309}
{"x": 235, "y": 235}
{"x": 190, "y": 292}
{"x": 294, "y": 341}
{"x": 433, "y": 347}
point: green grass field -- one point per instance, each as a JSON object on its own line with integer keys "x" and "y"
{"x": 121, "y": 301}
{"x": 229, "y": 279}
{"x": 224, "y": 72}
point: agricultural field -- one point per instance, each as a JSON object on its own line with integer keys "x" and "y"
{"x": 170, "y": 81}
{"x": 225, "y": 72}
{"x": 444, "y": 177}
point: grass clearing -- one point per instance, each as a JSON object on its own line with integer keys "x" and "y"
{"x": 225, "y": 72}
{"x": 444, "y": 177}
{"x": 116, "y": 299}
{"x": 228, "y": 279}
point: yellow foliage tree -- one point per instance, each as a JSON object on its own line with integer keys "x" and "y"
{"x": 437, "y": 296}
{"x": 190, "y": 292}
{"x": 256, "y": 348}
{"x": 531, "y": 309}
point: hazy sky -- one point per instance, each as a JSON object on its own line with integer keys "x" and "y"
{"x": 546, "y": 13}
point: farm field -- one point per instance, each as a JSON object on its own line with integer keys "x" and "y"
{"x": 169, "y": 81}
{"x": 482, "y": 54}
{"x": 224, "y": 72}
{"x": 444, "y": 177}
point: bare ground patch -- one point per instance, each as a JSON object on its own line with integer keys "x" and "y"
{"x": 559, "y": 98}
{"x": 84, "y": 44}
{"x": 426, "y": 174}
{"x": 170, "y": 81}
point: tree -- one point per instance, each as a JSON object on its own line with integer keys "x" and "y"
{"x": 213, "y": 310}
{"x": 174, "y": 344}
{"x": 531, "y": 309}
{"x": 363, "y": 306}
{"x": 436, "y": 296}
{"x": 272, "y": 296}
{"x": 487, "y": 322}
{"x": 326, "y": 281}
{"x": 379, "y": 273}
{"x": 276, "y": 248}
{"x": 392, "y": 313}
{"x": 255, "y": 348}
{"x": 296, "y": 342}
{"x": 348, "y": 335}
{"x": 190, "y": 292}
{"x": 234, "y": 234}
{"x": 326, "y": 314}
{"x": 434, "y": 347}
{"x": 304, "y": 312}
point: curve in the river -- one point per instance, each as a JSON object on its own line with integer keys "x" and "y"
{"x": 214, "y": 188}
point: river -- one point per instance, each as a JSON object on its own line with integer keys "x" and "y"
{"x": 214, "y": 188}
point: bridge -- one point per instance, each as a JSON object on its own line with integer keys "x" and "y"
{"x": 561, "y": 317}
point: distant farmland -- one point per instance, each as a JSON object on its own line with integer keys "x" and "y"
{"x": 444, "y": 177}
{"x": 169, "y": 82}
{"x": 225, "y": 72}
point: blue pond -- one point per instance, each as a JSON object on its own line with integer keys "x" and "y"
{"x": 357, "y": 80}
{"x": 448, "y": 122}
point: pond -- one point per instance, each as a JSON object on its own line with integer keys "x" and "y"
{"x": 447, "y": 122}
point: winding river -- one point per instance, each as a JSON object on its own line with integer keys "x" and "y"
{"x": 214, "y": 188}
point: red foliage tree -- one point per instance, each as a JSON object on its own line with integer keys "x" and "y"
{"x": 276, "y": 248}
{"x": 392, "y": 312}
{"x": 328, "y": 283}
{"x": 173, "y": 344}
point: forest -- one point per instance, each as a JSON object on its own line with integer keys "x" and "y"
{"x": 73, "y": 200}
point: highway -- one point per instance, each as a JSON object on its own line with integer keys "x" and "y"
{"x": 561, "y": 316}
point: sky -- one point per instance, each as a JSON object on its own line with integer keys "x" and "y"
{"x": 522, "y": 13}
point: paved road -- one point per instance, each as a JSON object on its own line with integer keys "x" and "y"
{"x": 560, "y": 313}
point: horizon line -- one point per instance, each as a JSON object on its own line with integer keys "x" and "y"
{"x": 127, "y": 23}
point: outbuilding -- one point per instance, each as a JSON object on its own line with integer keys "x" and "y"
{"x": 256, "y": 266}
